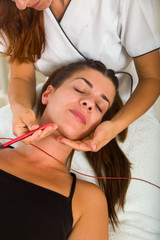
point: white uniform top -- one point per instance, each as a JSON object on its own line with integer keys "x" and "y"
{"x": 112, "y": 31}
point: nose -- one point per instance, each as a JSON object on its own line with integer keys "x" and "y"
{"x": 87, "y": 104}
{"x": 21, "y": 4}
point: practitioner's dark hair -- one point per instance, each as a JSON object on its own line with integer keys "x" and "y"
{"x": 109, "y": 161}
{"x": 24, "y": 30}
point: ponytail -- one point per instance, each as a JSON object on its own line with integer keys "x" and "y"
{"x": 110, "y": 161}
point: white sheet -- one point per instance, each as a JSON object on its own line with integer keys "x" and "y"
{"x": 141, "y": 218}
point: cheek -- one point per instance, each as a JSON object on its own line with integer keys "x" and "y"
{"x": 96, "y": 120}
{"x": 73, "y": 130}
{"x": 92, "y": 126}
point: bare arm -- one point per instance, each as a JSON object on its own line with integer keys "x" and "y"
{"x": 146, "y": 92}
{"x": 93, "y": 224}
{"x": 22, "y": 95}
{"x": 22, "y": 85}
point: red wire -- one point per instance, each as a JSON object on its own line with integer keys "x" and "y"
{"x": 123, "y": 178}
{"x": 112, "y": 178}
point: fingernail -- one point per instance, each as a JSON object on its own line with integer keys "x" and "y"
{"x": 34, "y": 126}
{"x": 59, "y": 138}
{"x": 49, "y": 129}
{"x": 38, "y": 132}
{"x": 65, "y": 141}
{"x": 55, "y": 127}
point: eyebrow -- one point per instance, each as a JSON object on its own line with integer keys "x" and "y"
{"x": 91, "y": 86}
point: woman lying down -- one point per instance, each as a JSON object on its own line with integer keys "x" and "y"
{"x": 39, "y": 197}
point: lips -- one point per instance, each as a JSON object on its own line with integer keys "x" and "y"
{"x": 35, "y": 5}
{"x": 78, "y": 115}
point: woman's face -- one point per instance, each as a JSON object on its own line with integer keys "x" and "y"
{"x": 36, "y": 4}
{"x": 79, "y": 104}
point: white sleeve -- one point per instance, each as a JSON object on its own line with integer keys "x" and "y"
{"x": 3, "y": 43}
{"x": 2, "y": 48}
{"x": 137, "y": 27}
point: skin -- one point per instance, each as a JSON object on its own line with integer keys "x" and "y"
{"x": 42, "y": 4}
{"x": 145, "y": 94}
{"x": 89, "y": 204}
{"x": 58, "y": 7}
{"x": 91, "y": 104}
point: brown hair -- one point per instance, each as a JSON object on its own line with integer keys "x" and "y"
{"x": 24, "y": 30}
{"x": 109, "y": 161}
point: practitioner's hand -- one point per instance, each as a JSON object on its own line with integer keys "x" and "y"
{"x": 24, "y": 121}
{"x": 103, "y": 134}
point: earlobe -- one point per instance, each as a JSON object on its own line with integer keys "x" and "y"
{"x": 46, "y": 94}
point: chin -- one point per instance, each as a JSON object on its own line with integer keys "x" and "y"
{"x": 72, "y": 134}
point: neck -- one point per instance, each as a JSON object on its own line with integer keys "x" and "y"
{"x": 59, "y": 7}
{"x": 54, "y": 148}
{"x": 49, "y": 145}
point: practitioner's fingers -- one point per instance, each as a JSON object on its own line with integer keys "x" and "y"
{"x": 24, "y": 121}
{"x": 39, "y": 134}
{"x": 77, "y": 145}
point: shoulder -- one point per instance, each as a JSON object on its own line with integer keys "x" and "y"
{"x": 5, "y": 153}
{"x": 9, "y": 159}
{"x": 90, "y": 212}
{"x": 90, "y": 195}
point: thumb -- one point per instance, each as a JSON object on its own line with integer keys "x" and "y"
{"x": 96, "y": 141}
{"x": 32, "y": 123}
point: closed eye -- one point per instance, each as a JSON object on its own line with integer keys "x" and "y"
{"x": 99, "y": 108}
{"x": 77, "y": 90}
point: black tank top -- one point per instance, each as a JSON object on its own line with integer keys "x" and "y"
{"x": 31, "y": 212}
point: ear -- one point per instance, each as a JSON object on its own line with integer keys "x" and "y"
{"x": 46, "y": 94}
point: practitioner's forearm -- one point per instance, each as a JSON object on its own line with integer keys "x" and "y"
{"x": 146, "y": 92}
{"x": 141, "y": 100}
{"x": 21, "y": 94}
{"x": 22, "y": 86}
